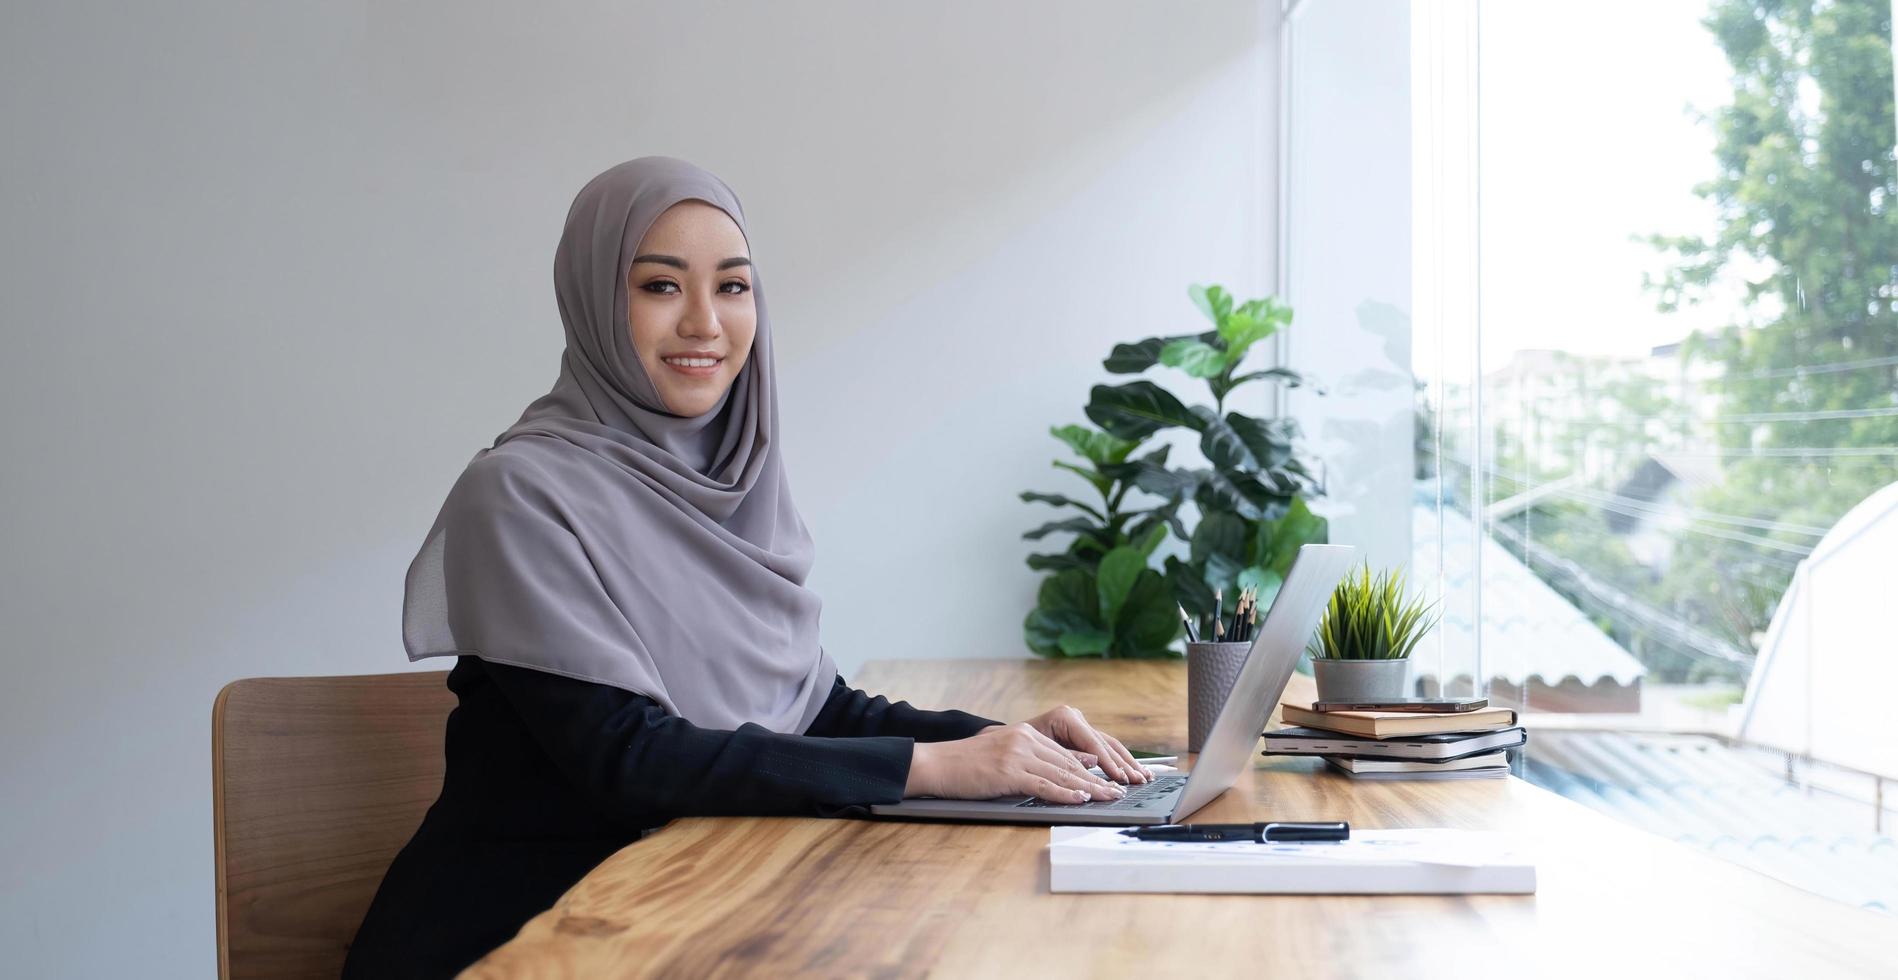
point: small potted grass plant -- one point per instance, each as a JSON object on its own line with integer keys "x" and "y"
{"x": 1361, "y": 651}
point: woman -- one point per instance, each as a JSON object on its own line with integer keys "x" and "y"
{"x": 621, "y": 581}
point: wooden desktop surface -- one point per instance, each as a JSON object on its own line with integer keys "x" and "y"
{"x": 783, "y": 896}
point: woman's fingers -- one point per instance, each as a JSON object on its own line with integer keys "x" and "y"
{"x": 1064, "y": 760}
{"x": 1053, "y": 792}
{"x": 1058, "y": 756}
{"x": 1116, "y": 761}
{"x": 1072, "y": 782}
{"x": 1121, "y": 752}
{"x": 1061, "y": 756}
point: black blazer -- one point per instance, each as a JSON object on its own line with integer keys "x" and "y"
{"x": 547, "y": 776}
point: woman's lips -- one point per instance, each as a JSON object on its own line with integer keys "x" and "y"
{"x": 695, "y": 372}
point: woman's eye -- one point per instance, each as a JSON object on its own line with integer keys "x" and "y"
{"x": 659, "y": 287}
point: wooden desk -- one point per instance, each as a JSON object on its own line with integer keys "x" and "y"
{"x": 780, "y": 896}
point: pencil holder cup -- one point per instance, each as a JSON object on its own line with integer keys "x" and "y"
{"x": 1211, "y": 670}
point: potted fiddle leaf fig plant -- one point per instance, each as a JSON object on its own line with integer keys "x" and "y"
{"x": 1361, "y": 650}
{"x": 1251, "y": 499}
{"x": 1252, "y": 513}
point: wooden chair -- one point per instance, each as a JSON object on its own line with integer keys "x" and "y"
{"x": 316, "y": 783}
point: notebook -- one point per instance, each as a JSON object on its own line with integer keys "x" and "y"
{"x": 1483, "y": 760}
{"x": 1481, "y": 772}
{"x": 1389, "y": 724}
{"x": 1432, "y": 861}
{"x": 1310, "y": 741}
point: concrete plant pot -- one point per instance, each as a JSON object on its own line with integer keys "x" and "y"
{"x": 1361, "y": 680}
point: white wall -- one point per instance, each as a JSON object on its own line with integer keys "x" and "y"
{"x": 273, "y": 272}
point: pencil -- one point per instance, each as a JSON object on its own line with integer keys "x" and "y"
{"x": 1191, "y": 633}
{"x": 1217, "y": 621}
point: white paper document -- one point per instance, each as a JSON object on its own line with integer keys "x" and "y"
{"x": 1420, "y": 861}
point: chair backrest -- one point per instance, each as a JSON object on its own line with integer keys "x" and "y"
{"x": 316, "y": 783}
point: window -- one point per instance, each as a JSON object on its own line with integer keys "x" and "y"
{"x": 1649, "y": 332}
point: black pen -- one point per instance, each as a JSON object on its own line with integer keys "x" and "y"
{"x": 1269, "y": 832}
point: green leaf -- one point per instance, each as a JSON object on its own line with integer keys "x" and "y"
{"x": 1079, "y": 525}
{"x": 1044, "y": 628}
{"x": 1265, "y": 500}
{"x": 1056, "y": 563}
{"x": 1272, "y": 309}
{"x": 1268, "y": 442}
{"x": 1201, "y": 360}
{"x": 1219, "y": 490}
{"x": 1166, "y": 515}
{"x": 1031, "y": 496}
{"x": 1264, "y": 582}
{"x": 1082, "y": 643}
{"x": 1118, "y": 571}
{"x": 1135, "y": 358}
{"x": 1219, "y": 532}
{"x": 1137, "y": 410}
{"x": 1096, "y": 447}
{"x": 1071, "y": 591}
{"x": 1100, "y": 482}
{"x": 1240, "y": 332}
{"x": 1126, "y": 471}
{"x": 1224, "y": 447}
{"x": 1211, "y": 300}
{"x": 1285, "y": 376}
{"x": 1149, "y": 619}
{"x": 1189, "y": 587}
{"x": 1150, "y": 473}
{"x": 1276, "y": 543}
{"x": 1146, "y": 545}
{"x": 1222, "y": 572}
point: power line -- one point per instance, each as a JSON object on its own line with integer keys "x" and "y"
{"x": 1568, "y": 522}
{"x": 1805, "y": 369}
{"x": 1821, "y": 415}
{"x": 1526, "y": 484}
{"x": 1729, "y": 535}
{"x": 1797, "y": 452}
{"x": 1712, "y": 517}
{"x": 1770, "y": 452}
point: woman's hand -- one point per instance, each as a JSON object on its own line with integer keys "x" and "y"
{"x": 1005, "y": 760}
{"x": 1066, "y": 726}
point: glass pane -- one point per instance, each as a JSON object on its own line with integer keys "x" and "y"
{"x": 1686, "y": 467}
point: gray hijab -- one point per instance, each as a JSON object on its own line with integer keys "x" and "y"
{"x": 604, "y": 538}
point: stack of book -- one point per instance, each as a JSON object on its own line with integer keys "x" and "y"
{"x": 1401, "y": 744}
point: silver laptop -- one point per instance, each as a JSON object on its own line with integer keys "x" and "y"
{"x": 1171, "y": 797}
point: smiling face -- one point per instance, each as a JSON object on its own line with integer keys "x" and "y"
{"x": 689, "y": 301}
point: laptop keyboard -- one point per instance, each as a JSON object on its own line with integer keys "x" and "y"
{"x": 1138, "y": 797}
